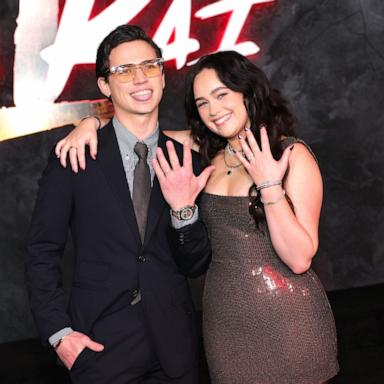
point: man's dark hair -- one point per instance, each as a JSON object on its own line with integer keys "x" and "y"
{"x": 122, "y": 34}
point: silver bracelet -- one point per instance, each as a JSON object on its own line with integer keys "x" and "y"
{"x": 94, "y": 117}
{"x": 267, "y": 184}
{"x": 271, "y": 202}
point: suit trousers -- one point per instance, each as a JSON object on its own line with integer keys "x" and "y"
{"x": 128, "y": 356}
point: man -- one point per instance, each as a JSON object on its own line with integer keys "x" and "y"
{"x": 130, "y": 315}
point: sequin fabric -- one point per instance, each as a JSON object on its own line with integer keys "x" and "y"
{"x": 262, "y": 323}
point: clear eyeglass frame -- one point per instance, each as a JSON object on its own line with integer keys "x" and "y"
{"x": 127, "y": 72}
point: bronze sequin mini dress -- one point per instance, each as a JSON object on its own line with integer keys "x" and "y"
{"x": 262, "y": 323}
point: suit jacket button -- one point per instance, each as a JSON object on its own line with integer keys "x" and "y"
{"x": 142, "y": 258}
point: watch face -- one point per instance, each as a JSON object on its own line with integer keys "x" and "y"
{"x": 186, "y": 213}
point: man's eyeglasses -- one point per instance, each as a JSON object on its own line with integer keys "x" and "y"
{"x": 126, "y": 72}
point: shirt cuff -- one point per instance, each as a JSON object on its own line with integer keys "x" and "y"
{"x": 59, "y": 335}
{"x": 177, "y": 224}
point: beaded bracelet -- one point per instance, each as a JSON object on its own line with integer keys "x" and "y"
{"x": 95, "y": 117}
{"x": 273, "y": 201}
{"x": 267, "y": 184}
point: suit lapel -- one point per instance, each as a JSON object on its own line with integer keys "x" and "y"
{"x": 109, "y": 158}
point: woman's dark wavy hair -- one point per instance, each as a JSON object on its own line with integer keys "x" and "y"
{"x": 264, "y": 105}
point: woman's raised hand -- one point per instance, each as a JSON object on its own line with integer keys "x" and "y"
{"x": 259, "y": 161}
{"x": 74, "y": 144}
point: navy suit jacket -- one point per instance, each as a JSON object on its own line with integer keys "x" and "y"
{"x": 110, "y": 260}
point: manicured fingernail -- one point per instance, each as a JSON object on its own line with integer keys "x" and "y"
{"x": 240, "y": 137}
{"x": 246, "y": 129}
{"x": 291, "y": 147}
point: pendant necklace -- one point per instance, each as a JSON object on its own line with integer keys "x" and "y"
{"x": 231, "y": 151}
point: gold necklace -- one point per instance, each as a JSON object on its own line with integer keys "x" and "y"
{"x": 231, "y": 151}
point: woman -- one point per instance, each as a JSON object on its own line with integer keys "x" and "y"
{"x": 266, "y": 317}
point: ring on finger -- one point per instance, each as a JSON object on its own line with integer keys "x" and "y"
{"x": 166, "y": 171}
{"x": 250, "y": 157}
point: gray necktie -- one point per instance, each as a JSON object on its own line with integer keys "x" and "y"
{"x": 141, "y": 187}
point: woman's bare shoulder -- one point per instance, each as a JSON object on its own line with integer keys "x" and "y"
{"x": 182, "y": 136}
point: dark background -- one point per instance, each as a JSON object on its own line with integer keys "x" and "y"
{"x": 327, "y": 58}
